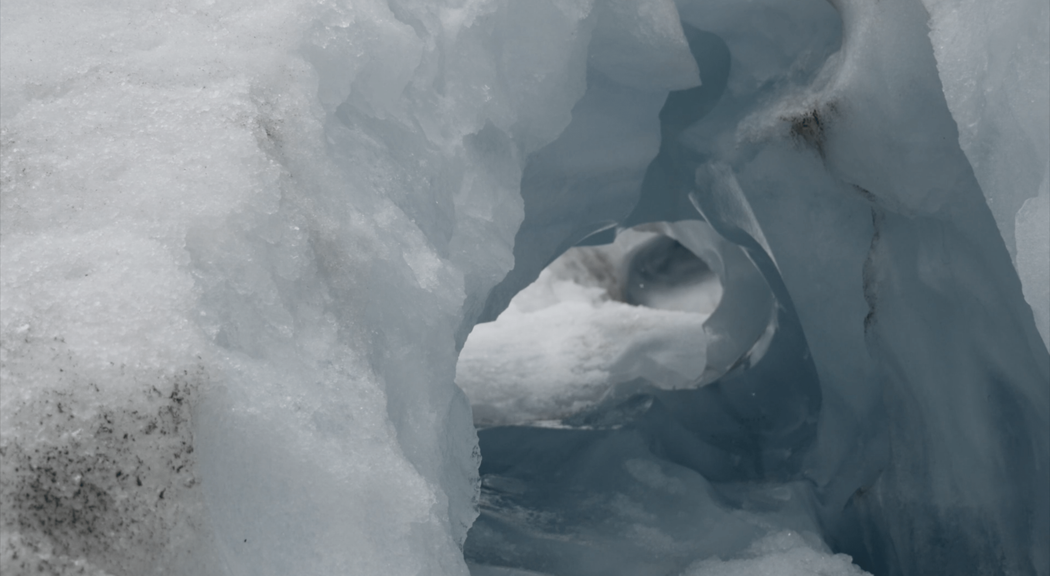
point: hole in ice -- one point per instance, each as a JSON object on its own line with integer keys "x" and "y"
{"x": 600, "y": 321}
{"x": 610, "y": 395}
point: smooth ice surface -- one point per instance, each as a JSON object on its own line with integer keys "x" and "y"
{"x": 615, "y": 498}
{"x": 994, "y": 63}
{"x": 1032, "y": 229}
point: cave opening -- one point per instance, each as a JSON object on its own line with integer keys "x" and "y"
{"x": 649, "y": 399}
{"x": 682, "y": 438}
{"x": 801, "y": 445}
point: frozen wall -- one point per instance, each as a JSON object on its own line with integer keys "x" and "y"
{"x": 883, "y": 239}
{"x": 882, "y": 236}
{"x": 241, "y": 246}
{"x": 994, "y": 63}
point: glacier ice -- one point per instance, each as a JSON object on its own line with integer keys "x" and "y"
{"x": 212, "y": 199}
{"x": 994, "y": 63}
{"x": 242, "y": 245}
{"x": 843, "y": 175}
{"x": 601, "y": 318}
{"x": 566, "y": 339}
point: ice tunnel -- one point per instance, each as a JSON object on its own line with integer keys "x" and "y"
{"x": 525, "y": 287}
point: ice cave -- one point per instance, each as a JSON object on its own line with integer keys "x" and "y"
{"x": 525, "y": 287}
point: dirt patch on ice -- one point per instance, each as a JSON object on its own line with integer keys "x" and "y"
{"x": 96, "y": 476}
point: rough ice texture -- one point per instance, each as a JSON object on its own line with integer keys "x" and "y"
{"x": 241, "y": 245}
